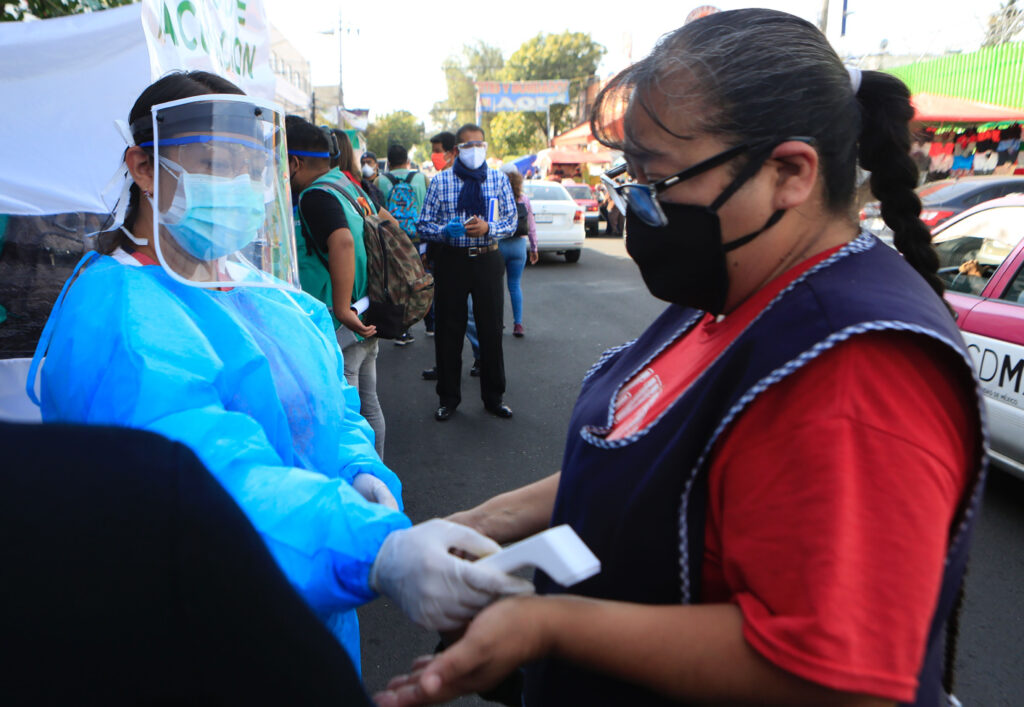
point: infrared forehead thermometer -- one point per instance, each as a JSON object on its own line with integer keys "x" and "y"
{"x": 558, "y": 551}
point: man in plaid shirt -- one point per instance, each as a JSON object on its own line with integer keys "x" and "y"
{"x": 467, "y": 209}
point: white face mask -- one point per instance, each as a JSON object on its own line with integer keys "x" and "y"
{"x": 473, "y": 157}
{"x": 368, "y": 170}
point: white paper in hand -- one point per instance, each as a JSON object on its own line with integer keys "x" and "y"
{"x": 557, "y": 551}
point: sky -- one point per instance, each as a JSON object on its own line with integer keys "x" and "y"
{"x": 393, "y": 49}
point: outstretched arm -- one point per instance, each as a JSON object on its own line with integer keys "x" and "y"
{"x": 692, "y": 653}
{"x": 514, "y": 515}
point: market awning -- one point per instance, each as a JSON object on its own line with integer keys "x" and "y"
{"x": 556, "y": 156}
{"x": 929, "y": 108}
{"x": 580, "y": 135}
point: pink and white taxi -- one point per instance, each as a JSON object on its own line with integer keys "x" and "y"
{"x": 981, "y": 260}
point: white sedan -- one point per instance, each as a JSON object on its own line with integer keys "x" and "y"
{"x": 560, "y": 223}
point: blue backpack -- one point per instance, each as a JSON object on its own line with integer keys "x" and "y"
{"x": 402, "y": 203}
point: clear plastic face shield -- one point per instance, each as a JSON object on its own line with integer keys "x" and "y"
{"x": 222, "y": 213}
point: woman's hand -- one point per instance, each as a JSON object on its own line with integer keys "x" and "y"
{"x": 350, "y": 320}
{"x": 534, "y": 257}
{"x": 502, "y": 637}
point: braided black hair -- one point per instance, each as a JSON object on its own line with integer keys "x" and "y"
{"x": 886, "y": 113}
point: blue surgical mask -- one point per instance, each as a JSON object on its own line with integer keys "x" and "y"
{"x": 473, "y": 157}
{"x": 210, "y": 216}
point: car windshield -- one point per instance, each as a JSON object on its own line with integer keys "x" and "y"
{"x": 580, "y": 192}
{"x": 546, "y": 192}
{"x": 972, "y": 249}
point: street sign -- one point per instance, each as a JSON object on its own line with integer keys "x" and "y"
{"x": 515, "y": 96}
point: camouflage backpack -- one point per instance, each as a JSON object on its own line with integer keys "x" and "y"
{"x": 400, "y": 290}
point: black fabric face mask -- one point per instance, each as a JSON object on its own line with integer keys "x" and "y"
{"x": 684, "y": 262}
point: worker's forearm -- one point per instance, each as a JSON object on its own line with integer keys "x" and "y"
{"x": 694, "y": 653}
{"x": 516, "y": 514}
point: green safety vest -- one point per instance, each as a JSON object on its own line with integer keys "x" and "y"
{"x": 313, "y": 275}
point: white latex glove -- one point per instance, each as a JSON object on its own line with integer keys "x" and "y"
{"x": 436, "y": 589}
{"x": 374, "y": 490}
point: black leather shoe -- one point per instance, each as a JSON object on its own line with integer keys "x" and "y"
{"x": 499, "y": 410}
{"x": 429, "y": 374}
{"x": 475, "y": 370}
{"x": 443, "y": 413}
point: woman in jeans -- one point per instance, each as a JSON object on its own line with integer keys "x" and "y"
{"x": 514, "y": 250}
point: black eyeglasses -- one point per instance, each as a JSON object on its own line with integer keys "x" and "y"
{"x": 643, "y": 198}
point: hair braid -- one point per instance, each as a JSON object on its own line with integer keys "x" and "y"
{"x": 886, "y": 113}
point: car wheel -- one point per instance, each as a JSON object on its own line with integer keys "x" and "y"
{"x": 591, "y": 231}
{"x": 572, "y": 256}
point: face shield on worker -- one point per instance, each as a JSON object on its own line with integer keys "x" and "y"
{"x": 221, "y": 204}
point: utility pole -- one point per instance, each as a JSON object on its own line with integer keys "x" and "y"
{"x": 340, "y": 31}
{"x": 341, "y": 90}
{"x": 823, "y": 22}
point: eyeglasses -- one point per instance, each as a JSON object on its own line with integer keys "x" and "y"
{"x": 471, "y": 144}
{"x": 643, "y": 198}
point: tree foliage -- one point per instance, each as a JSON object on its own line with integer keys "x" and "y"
{"x": 400, "y": 127}
{"x": 1004, "y": 24}
{"x": 477, "y": 62}
{"x": 17, "y": 10}
{"x": 569, "y": 55}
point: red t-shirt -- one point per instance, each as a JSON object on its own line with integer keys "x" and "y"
{"x": 830, "y": 499}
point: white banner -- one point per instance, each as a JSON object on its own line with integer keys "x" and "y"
{"x": 64, "y": 81}
{"x": 227, "y": 37}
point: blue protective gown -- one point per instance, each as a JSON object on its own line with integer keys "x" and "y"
{"x": 252, "y": 381}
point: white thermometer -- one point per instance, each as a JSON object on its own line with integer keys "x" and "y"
{"x": 557, "y": 551}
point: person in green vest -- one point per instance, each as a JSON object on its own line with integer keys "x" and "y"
{"x": 332, "y": 257}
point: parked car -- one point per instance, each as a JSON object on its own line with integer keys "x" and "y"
{"x": 583, "y": 195}
{"x": 559, "y": 219}
{"x": 981, "y": 260}
{"x": 942, "y": 200}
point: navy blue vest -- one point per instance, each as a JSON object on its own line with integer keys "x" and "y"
{"x": 639, "y": 502}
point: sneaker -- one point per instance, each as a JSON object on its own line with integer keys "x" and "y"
{"x": 475, "y": 370}
{"x": 517, "y": 331}
{"x": 405, "y": 338}
{"x": 430, "y": 330}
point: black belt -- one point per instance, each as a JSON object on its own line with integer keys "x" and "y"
{"x": 473, "y": 250}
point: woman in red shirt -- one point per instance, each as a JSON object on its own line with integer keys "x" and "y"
{"x": 779, "y": 475}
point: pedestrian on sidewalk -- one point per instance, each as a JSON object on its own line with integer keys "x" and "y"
{"x": 403, "y": 190}
{"x": 467, "y": 210}
{"x": 332, "y": 264}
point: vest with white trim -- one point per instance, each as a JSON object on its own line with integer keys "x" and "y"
{"x": 639, "y": 502}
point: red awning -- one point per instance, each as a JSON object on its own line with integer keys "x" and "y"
{"x": 929, "y": 108}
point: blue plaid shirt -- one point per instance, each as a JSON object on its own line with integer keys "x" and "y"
{"x": 439, "y": 208}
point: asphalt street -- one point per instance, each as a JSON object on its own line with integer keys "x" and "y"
{"x": 572, "y": 313}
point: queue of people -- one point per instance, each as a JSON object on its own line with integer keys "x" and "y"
{"x": 769, "y": 527}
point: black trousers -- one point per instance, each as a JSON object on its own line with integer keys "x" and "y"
{"x": 457, "y": 274}
{"x": 128, "y": 576}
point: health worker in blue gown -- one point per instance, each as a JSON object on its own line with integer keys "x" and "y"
{"x": 191, "y": 324}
